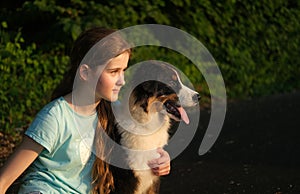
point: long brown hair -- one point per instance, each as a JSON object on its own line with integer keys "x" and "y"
{"x": 84, "y": 52}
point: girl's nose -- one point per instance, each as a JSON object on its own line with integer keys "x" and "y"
{"x": 121, "y": 80}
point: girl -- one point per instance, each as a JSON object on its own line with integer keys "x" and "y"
{"x": 56, "y": 151}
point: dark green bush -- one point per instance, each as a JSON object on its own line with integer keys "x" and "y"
{"x": 255, "y": 44}
{"x": 27, "y": 79}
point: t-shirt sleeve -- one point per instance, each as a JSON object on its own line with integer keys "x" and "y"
{"x": 44, "y": 129}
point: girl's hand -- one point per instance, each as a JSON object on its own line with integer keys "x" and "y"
{"x": 162, "y": 165}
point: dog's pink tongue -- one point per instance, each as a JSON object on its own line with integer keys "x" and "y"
{"x": 183, "y": 114}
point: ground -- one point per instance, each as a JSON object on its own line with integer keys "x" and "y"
{"x": 258, "y": 151}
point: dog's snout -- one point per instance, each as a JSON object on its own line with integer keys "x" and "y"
{"x": 196, "y": 97}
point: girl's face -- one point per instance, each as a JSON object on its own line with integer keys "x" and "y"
{"x": 112, "y": 78}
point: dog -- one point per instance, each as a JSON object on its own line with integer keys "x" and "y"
{"x": 157, "y": 99}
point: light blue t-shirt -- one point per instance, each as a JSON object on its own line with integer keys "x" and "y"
{"x": 64, "y": 165}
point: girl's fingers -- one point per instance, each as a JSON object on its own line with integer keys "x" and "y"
{"x": 162, "y": 170}
{"x": 161, "y": 166}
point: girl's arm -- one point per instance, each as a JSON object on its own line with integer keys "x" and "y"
{"x": 16, "y": 164}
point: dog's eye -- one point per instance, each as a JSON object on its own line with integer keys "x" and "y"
{"x": 172, "y": 84}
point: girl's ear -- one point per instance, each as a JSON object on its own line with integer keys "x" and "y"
{"x": 84, "y": 72}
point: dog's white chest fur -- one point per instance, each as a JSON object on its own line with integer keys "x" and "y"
{"x": 142, "y": 147}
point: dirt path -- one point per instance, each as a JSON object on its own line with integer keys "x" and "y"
{"x": 258, "y": 151}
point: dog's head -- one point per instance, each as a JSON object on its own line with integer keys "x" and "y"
{"x": 160, "y": 90}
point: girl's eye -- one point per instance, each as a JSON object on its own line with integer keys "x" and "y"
{"x": 114, "y": 72}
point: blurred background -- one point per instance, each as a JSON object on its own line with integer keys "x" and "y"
{"x": 255, "y": 44}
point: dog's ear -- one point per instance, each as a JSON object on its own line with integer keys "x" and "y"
{"x": 143, "y": 92}
{"x": 142, "y": 101}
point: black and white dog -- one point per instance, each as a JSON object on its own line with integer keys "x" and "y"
{"x": 158, "y": 97}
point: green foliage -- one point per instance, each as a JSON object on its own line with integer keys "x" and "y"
{"x": 255, "y": 44}
{"x": 27, "y": 79}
